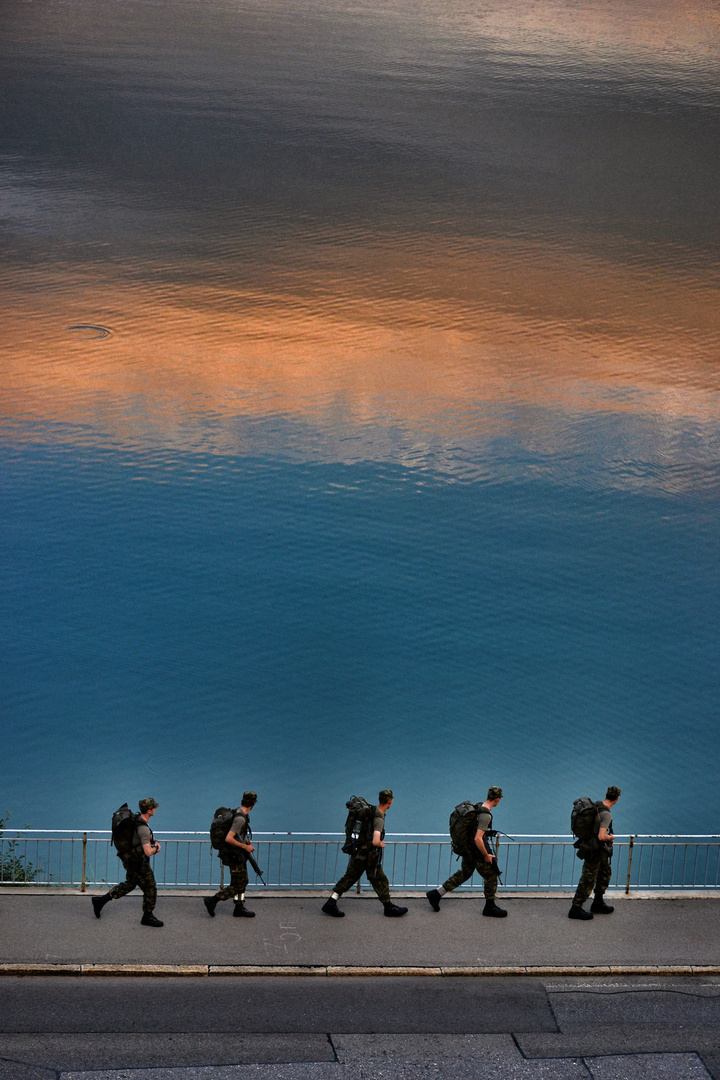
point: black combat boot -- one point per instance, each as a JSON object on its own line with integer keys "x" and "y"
{"x": 149, "y": 919}
{"x": 599, "y": 907}
{"x": 434, "y": 899}
{"x": 241, "y": 912}
{"x": 330, "y": 908}
{"x": 493, "y": 911}
{"x": 210, "y": 903}
{"x": 393, "y": 911}
{"x": 99, "y": 902}
{"x": 578, "y": 912}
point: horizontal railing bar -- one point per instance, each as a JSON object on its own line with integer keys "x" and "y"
{"x": 414, "y": 861}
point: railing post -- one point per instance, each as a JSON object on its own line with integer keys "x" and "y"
{"x": 630, "y": 855}
{"x": 82, "y": 885}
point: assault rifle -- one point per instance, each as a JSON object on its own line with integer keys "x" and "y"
{"x": 249, "y": 857}
{"x": 492, "y": 833}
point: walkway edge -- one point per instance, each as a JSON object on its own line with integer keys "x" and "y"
{"x": 247, "y": 970}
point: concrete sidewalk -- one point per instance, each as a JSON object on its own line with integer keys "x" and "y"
{"x": 54, "y": 934}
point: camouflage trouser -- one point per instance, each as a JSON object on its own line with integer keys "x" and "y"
{"x": 238, "y": 882}
{"x": 596, "y": 873}
{"x": 469, "y": 866}
{"x": 138, "y": 874}
{"x": 365, "y": 862}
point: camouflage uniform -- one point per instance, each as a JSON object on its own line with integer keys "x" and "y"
{"x": 236, "y": 858}
{"x": 471, "y": 864}
{"x": 596, "y": 872}
{"x": 367, "y": 859}
{"x": 138, "y": 873}
{"x": 473, "y": 861}
{"x": 366, "y": 862}
{"x": 238, "y": 881}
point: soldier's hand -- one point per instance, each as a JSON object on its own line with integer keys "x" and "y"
{"x": 250, "y": 847}
{"x": 157, "y": 846}
{"x": 489, "y": 858}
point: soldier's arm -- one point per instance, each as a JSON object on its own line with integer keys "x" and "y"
{"x": 605, "y": 837}
{"x": 151, "y": 849}
{"x": 232, "y": 839}
{"x": 377, "y": 839}
{"x": 480, "y": 845}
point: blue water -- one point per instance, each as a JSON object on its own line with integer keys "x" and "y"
{"x": 196, "y": 627}
{"x": 399, "y": 462}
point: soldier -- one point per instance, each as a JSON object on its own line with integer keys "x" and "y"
{"x": 596, "y": 871}
{"x": 238, "y": 844}
{"x": 480, "y": 858}
{"x": 137, "y": 867}
{"x": 367, "y": 859}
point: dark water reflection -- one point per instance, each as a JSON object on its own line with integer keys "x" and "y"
{"x": 407, "y": 421}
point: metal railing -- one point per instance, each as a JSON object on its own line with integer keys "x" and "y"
{"x": 297, "y": 861}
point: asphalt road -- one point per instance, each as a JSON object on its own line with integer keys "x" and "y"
{"x": 359, "y": 1028}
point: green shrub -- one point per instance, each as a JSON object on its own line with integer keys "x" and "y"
{"x": 14, "y": 866}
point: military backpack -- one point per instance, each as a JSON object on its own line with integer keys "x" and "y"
{"x": 124, "y": 831}
{"x": 584, "y": 819}
{"x": 358, "y": 825}
{"x": 220, "y": 826}
{"x": 463, "y": 826}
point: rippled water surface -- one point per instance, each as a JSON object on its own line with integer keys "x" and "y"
{"x": 360, "y": 408}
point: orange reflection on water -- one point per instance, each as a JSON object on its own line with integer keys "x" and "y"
{"x": 418, "y": 342}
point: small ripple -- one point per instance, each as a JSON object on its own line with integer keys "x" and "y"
{"x": 89, "y": 331}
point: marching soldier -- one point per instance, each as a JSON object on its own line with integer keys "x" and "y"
{"x": 597, "y": 854}
{"x": 477, "y": 856}
{"x": 233, "y": 853}
{"x": 138, "y": 871}
{"x": 366, "y": 858}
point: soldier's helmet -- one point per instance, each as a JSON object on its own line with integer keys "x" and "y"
{"x": 249, "y": 798}
{"x": 385, "y": 796}
{"x": 147, "y": 804}
{"x": 495, "y": 793}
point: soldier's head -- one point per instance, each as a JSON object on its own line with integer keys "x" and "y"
{"x": 249, "y": 799}
{"x": 494, "y": 795}
{"x": 148, "y": 806}
{"x": 385, "y": 797}
{"x": 612, "y": 794}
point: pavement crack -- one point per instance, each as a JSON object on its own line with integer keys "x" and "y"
{"x": 635, "y": 990}
{"x": 552, "y": 1010}
{"x": 332, "y": 1047}
{"x": 519, "y": 1048}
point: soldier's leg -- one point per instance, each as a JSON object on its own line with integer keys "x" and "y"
{"x": 488, "y": 872}
{"x": 604, "y": 875}
{"x": 235, "y": 885}
{"x": 239, "y": 881}
{"x": 378, "y": 880}
{"x": 131, "y": 882}
{"x": 146, "y": 881}
{"x": 356, "y": 867}
{"x": 587, "y": 880}
{"x": 466, "y": 871}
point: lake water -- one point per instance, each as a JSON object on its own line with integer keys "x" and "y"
{"x": 360, "y": 409}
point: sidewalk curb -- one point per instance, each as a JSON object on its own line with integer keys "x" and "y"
{"x": 251, "y": 970}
